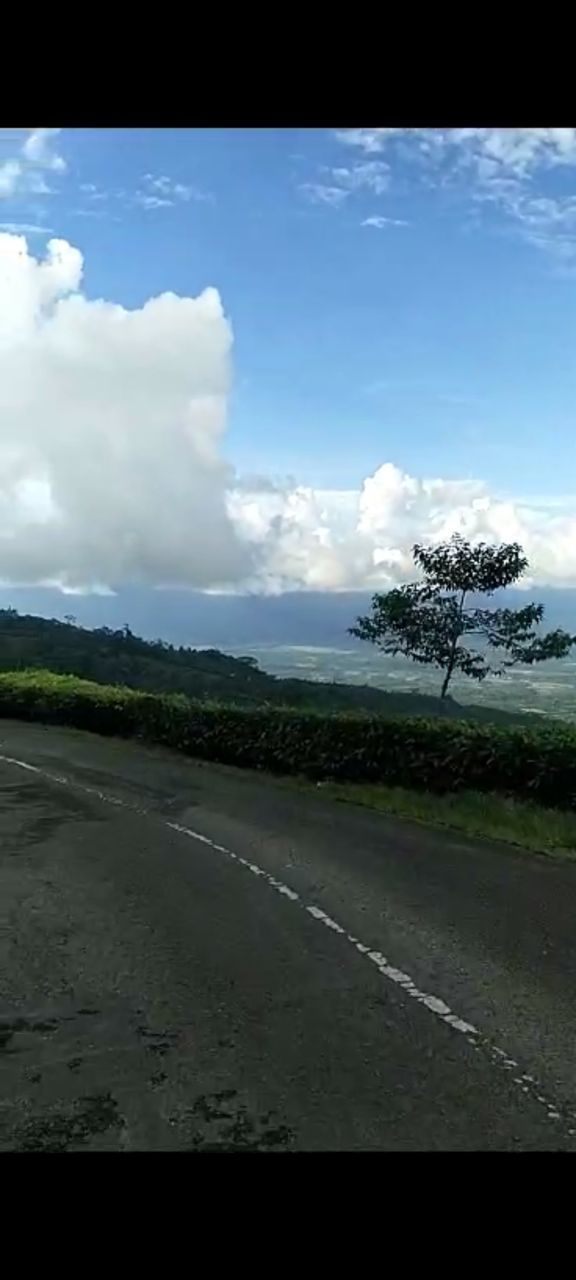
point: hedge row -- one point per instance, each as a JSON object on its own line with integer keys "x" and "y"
{"x": 437, "y": 755}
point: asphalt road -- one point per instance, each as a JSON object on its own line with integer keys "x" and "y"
{"x": 195, "y": 958}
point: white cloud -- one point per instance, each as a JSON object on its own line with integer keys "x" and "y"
{"x": 10, "y": 175}
{"x": 154, "y": 192}
{"x": 24, "y": 173}
{"x": 513, "y": 151}
{"x": 373, "y": 175}
{"x": 547, "y": 222}
{"x": 147, "y": 200}
{"x": 161, "y": 191}
{"x": 324, "y": 193}
{"x": 110, "y": 429}
{"x": 25, "y": 229}
{"x": 38, "y": 150}
{"x": 348, "y": 539}
{"x": 516, "y": 152}
{"x": 505, "y": 168}
{"x": 368, "y": 140}
{"x": 93, "y": 192}
{"x": 336, "y": 185}
{"x": 376, "y": 220}
{"x": 112, "y": 471}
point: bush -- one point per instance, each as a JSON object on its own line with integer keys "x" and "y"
{"x": 432, "y": 755}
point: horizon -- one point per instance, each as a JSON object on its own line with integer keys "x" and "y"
{"x": 200, "y": 620}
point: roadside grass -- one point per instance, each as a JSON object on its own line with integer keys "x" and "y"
{"x": 488, "y": 816}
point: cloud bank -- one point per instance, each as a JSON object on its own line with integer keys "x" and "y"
{"x": 328, "y": 540}
{"x": 110, "y": 431}
{"x": 113, "y": 467}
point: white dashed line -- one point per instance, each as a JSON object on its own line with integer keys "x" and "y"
{"x": 526, "y": 1083}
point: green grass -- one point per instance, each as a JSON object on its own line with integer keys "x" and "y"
{"x": 489, "y": 816}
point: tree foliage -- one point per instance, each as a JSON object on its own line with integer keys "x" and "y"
{"x": 430, "y": 621}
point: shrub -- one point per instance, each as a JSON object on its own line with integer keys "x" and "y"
{"x": 433, "y": 755}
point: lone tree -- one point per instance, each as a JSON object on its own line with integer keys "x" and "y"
{"x": 428, "y": 621}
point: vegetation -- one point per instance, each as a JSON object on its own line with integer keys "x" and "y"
{"x": 439, "y": 756}
{"x": 478, "y": 769}
{"x": 501, "y": 818}
{"x": 120, "y": 657}
{"x": 426, "y": 621}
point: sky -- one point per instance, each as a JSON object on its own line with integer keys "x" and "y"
{"x": 271, "y": 360}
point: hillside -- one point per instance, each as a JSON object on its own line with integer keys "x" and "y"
{"x": 120, "y": 657}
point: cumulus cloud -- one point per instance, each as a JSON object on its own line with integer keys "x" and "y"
{"x": 341, "y": 540}
{"x": 113, "y": 470}
{"x": 110, "y": 429}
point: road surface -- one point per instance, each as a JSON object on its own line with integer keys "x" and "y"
{"x": 196, "y": 958}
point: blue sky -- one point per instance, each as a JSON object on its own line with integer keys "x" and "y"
{"x": 443, "y": 344}
{"x": 403, "y": 297}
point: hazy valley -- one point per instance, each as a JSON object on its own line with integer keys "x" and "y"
{"x": 548, "y": 689}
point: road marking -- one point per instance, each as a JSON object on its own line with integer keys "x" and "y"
{"x": 434, "y": 1004}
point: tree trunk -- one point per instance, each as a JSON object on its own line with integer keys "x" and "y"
{"x": 452, "y": 658}
{"x": 446, "y": 682}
